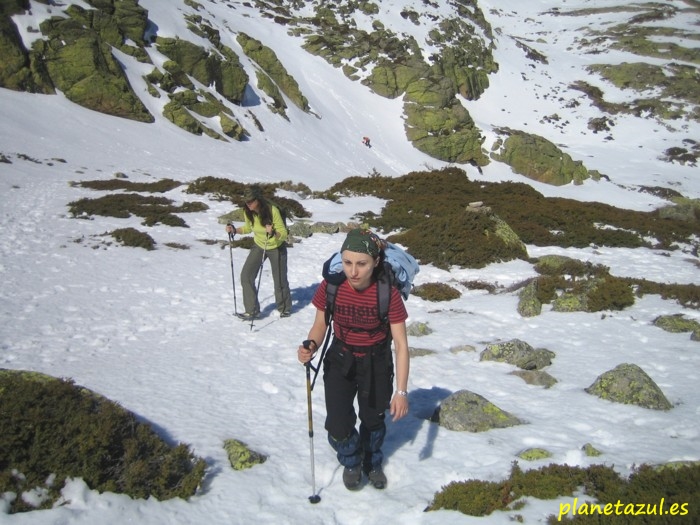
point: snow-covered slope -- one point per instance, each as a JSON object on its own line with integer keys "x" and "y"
{"x": 154, "y": 331}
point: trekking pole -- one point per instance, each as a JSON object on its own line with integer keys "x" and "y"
{"x": 257, "y": 289}
{"x": 314, "y": 498}
{"x": 233, "y": 275}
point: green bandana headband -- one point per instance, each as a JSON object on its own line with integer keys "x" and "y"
{"x": 362, "y": 241}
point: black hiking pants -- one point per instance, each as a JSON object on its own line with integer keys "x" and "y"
{"x": 365, "y": 373}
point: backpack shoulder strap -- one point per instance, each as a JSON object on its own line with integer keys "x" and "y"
{"x": 331, "y": 292}
{"x": 333, "y": 280}
{"x": 384, "y": 284}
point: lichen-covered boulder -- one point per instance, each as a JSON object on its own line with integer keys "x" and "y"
{"x": 447, "y": 133}
{"x": 227, "y": 75}
{"x": 418, "y": 329}
{"x": 570, "y": 302}
{"x": 462, "y": 348}
{"x": 553, "y": 264}
{"x": 470, "y": 412}
{"x": 240, "y": 456}
{"x": 534, "y": 454}
{"x": 528, "y": 303}
{"x": 518, "y": 353}
{"x": 20, "y": 70}
{"x": 268, "y": 61}
{"x": 591, "y": 451}
{"x": 535, "y": 377}
{"x": 539, "y": 159}
{"x": 419, "y": 352}
{"x": 389, "y": 79}
{"x": 629, "y": 384}
{"x": 676, "y": 323}
{"x": 231, "y": 127}
{"x": 82, "y": 66}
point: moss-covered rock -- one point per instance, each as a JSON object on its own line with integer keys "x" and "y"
{"x": 116, "y": 22}
{"x": 539, "y": 159}
{"x": 629, "y": 384}
{"x": 535, "y": 377}
{"x": 268, "y": 61}
{"x": 176, "y": 113}
{"x": 518, "y": 353}
{"x": 82, "y": 66}
{"x": 534, "y": 454}
{"x": 569, "y": 302}
{"x": 20, "y": 69}
{"x": 676, "y": 323}
{"x": 241, "y": 456}
{"x": 682, "y": 209}
{"x": 591, "y": 451}
{"x": 528, "y": 303}
{"x": 390, "y": 80}
{"x": 231, "y": 127}
{"x": 462, "y": 348}
{"x": 420, "y": 352}
{"x": 418, "y": 329}
{"x": 226, "y": 75}
{"x": 470, "y": 412}
{"x": 265, "y": 83}
{"x": 444, "y": 132}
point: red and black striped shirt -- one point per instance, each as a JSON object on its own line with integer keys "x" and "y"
{"x": 356, "y": 313}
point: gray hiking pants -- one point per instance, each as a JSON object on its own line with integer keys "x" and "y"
{"x": 249, "y": 278}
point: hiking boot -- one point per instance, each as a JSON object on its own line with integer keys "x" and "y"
{"x": 377, "y": 478}
{"x": 285, "y": 314}
{"x": 245, "y": 316}
{"x": 352, "y": 477}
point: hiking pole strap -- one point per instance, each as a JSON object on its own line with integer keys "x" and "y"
{"x": 317, "y": 368}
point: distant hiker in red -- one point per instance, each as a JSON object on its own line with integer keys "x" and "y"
{"x": 365, "y": 141}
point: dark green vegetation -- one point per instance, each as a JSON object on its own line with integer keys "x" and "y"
{"x": 228, "y": 190}
{"x": 436, "y": 292}
{"x": 581, "y": 286}
{"x": 431, "y": 214}
{"x": 426, "y": 205}
{"x": 161, "y": 186}
{"x": 153, "y": 210}
{"x": 53, "y": 428}
{"x": 561, "y": 277}
{"x": 134, "y": 238}
{"x": 645, "y": 485}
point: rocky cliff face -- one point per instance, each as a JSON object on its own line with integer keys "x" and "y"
{"x": 446, "y": 60}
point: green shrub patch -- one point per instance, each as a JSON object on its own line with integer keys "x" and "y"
{"x": 160, "y": 186}
{"x": 646, "y": 486}
{"x": 134, "y": 238}
{"x": 53, "y": 429}
{"x": 425, "y": 201}
{"x": 153, "y": 210}
{"x": 436, "y": 292}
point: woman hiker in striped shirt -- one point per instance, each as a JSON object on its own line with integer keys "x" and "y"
{"x": 359, "y": 360}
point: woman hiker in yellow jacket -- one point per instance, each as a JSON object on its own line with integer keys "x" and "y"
{"x": 265, "y": 221}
